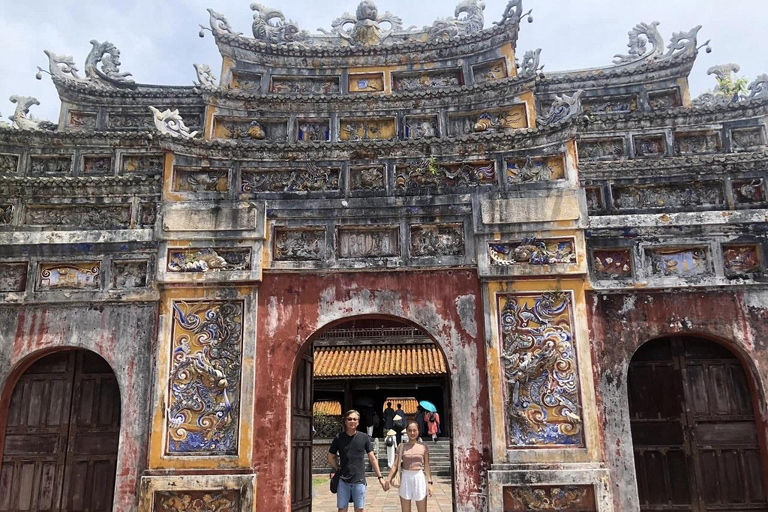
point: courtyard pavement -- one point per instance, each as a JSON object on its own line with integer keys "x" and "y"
{"x": 376, "y": 500}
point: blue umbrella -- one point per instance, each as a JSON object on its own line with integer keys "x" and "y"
{"x": 428, "y": 406}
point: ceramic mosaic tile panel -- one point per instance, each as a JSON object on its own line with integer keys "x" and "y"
{"x": 741, "y": 259}
{"x": 366, "y": 178}
{"x": 370, "y": 82}
{"x": 427, "y": 80}
{"x": 367, "y": 129}
{"x": 74, "y": 276}
{"x": 430, "y": 174}
{"x": 82, "y": 120}
{"x": 649, "y": 146}
{"x": 148, "y": 163}
{"x": 664, "y": 99}
{"x": 313, "y": 130}
{"x": 490, "y": 71}
{"x": 540, "y": 373}
{"x": 695, "y": 143}
{"x": 609, "y": 105}
{"x": 204, "y": 381}
{"x": 550, "y": 498}
{"x": 535, "y": 169}
{"x": 531, "y": 251}
{"x": 437, "y": 240}
{"x": 669, "y": 196}
{"x": 246, "y": 82}
{"x": 512, "y": 118}
{"x": 6, "y": 214}
{"x": 305, "y": 85}
{"x": 680, "y": 262}
{"x": 310, "y": 178}
{"x": 747, "y": 139}
{"x": 210, "y": 259}
{"x": 748, "y": 191}
{"x": 81, "y": 216}
{"x": 612, "y": 263}
{"x": 127, "y": 274}
{"x": 188, "y": 179}
{"x": 595, "y": 149}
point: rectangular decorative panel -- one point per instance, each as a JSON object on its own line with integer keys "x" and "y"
{"x": 97, "y": 164}
{"x": 82, "y": 216}
{"x": 609, "y": 104}
{"x": 664, "y": 99}
{"x": 6, "y": 214}
{"x": 219, "y": 500}
{"x": 305, "y": 85}
{"x": 747, "y": 139}
{"x": 437, "y": 240}
{"x": 532, "y": 170}
{"x": 669, "y": 196}
{"x": 82, "y": 120}
{"x": 532, "y": 251}
{"x": 246, "y": 82}
{"x": 204, "y": 380}
{"x": 371, "y": 82}
{"x": 134, "y": 121}
{"x": 50, "y": 165}
{"x": 368, "y": 242}
{"x": 538, "y": 359}
{"x": 204, "y": 260}
{"x": 366, "y": 178}
{"x": 299, "y": 244}
{"x": 612, "y": 263}
{"x": 421, "y": 127}
{"x": 561, "y": 498}
{"x": 187, "y": 179}
{"x": 149, "y": 163}
{"x": 498, "y": 120}
{"x": 489, "y": 71}
{"x": 650, "y": 146}
{"x": 748, "y": 191}
{"x": 427, "y": 80}
{"x": 309, "y": 178}
{"x": 429, "y": 174}
{"x": 601, "y": 148}
{"x": 367, "y": 129}
{"x": 77, "y": 276}
{"x": 9, "y": 164}
{"x": 13, "y": 277}
{"x": 128, "y": 274}
{"x": 741, "y": 259}
{"x": 595, "y": 201}
{"x": 697, "y": 143}
{"x": 249, "y": 130}
{"x": 680, "y": 262}
{"x": 313, "y": 130}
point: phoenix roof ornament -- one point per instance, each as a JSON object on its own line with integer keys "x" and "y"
{"x": 169, "y": 122}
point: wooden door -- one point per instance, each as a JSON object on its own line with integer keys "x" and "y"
{"x": 301, "y": 445}
{"x": 693, "y": 429}
{"x": 61, "y": 437}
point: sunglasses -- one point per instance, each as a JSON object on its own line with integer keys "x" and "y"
{"x": 353, "y": 419}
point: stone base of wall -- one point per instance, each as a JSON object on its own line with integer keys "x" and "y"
{"x": 190, "y": 493}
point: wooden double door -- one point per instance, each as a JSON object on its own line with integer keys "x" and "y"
{"x": 61, "y": 436}
{"x": 693, "y": 429}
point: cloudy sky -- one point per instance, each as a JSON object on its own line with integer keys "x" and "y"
{"x": 159, "y": 42}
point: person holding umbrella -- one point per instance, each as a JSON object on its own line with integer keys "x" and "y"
{"x": 432, "y": 419}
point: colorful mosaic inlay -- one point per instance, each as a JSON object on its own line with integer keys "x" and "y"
{"x": 204, "y": 382}
{"x": 538, "y": 358}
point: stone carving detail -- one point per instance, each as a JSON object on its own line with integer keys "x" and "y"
{"x": 219, "y": 25}
{"x": 426, "y": 81}
{"x": 82, "y": 120}
{"x": 302, "y": 85}
{"x": 595, "y": 201}
{"x": 758, "y": 89}
{"x": 664, "y": 99}
{"x": 437, "y": 240}
{"x": 448, "y": 28}
{"x": 724, "y": 73}
{"x": 169, "y": 122}
{"x": 9, "y": 164}
{"x": 645, "y": 34}
{"x": 612, "y": 263}
{"x": 671, "y": 196}
{"x": 741, "y": 259}
{"x": 271, "y": 26}
{"x": 601, "y": 148}
{"x": 500, "y": 121}
{"x": 50, "y": 165}
{"x": 532, "y": 170}
{"x": 421, "y": 127}
{"x": 204, "y": 381}
{"x": 97, "y": 164}
{"x": 430, "y": 174}
{"x": 107, "y": 55}
{"x": 311, "y": 131}
{"x": 311, "y": 178}
{"x": 563, "y": 108}
{"x": 247, "y": 130}
{"x": 748, "y": 191}
{"x": 6, "y": 214}
{"x": 78, "y": 276}
{"x": 531, "y": 251}
{"x": 143, "y": 163}
{"x": 677, "y": 262}
{"x": 367, "y": 178}
{"x": 127, "y": 274}
{"x": 13, "y": 277}
{"x": 530, "y": 66}
{"x": 366, "y": 27}
{"x": 205, "y": 76}
{"x": 204, "y": 260}
{"x": 299, "y": 244}
{"x": 21, "y": 118}
{"x": 488, "y": 72}
{"x": 513, "y": 13}
{"x": 609, "y": 105}
{"x": 649, "y": 146}
{"x": 538, "y": 357}
{"x": 131, "y": 122}
{"x": 746, "y": 140}
{"x": 197, "y": 501}
{"x": 200, "y": 180}
{"x": 550, "y": 498}
{"x": 94, "y": 217}
{"x": 367, "y": 129}
{"x": 368, "y": 243}
{"x": 147, "y": 214}
{"x": 60, "y": 66}
{"x": 245, "y": 82}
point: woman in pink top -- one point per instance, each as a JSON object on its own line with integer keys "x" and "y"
{"x": 413, "y": 460}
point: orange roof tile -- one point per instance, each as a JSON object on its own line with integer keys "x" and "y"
{"x": 327, "y": 408}
{"x": 409, "y": 404}
{"x": 378, "y": 361}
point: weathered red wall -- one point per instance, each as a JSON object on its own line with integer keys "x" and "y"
{"x": 620, "y": 323}
{"x": 293, "y": 308}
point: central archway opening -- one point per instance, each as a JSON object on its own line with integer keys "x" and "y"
{"x": 366, "y": 363}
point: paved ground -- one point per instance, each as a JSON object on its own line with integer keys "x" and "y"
{"x": 376, "y": 500}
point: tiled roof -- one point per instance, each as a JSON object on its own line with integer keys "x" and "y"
{"x": 378, "y": 361}
{"x": 409, "y": 404}
{"x": 327, "y": 408}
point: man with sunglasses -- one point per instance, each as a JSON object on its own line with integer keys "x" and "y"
{"x": 347, "y": 455}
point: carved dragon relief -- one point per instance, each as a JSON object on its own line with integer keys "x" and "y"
{"x": 205, "y": 76}
{"x": 647, "y": 45}
{"x": 169, "y": 122}
{"x": 270, "y": 25}
{"x": 443, "y": 29}
{"x": 102, "y": 67}
{"x": 530, "y": 66}
{"x": 563, "y": 108}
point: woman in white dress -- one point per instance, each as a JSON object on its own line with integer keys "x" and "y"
{"x": 412, "y": 460}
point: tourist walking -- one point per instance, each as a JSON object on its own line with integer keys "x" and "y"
{"x": 420, "y": 412}
{"x": 433, "y": 425}
{"x": 399, "y": 424}
{"x": 412, "y": 460}
{"x": 391, "y": 442}
{"x": 389, "y": 414}
{"x": 347, "y": 456}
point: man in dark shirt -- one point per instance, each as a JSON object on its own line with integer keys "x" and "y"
{"x": 400, "y": 423}
{"x": 351, "y": 447}
{"x": 389, "y": 413}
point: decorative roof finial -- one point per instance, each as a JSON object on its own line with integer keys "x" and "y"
{"x": 530, "y": 66}
{"x": 513, "y": 13}
{"x": 759, "y": 88}
{"x": 21, "y": 118}
{"x": 365, "y": 28}
{"x": 444, "y": 29}
{"x": 205, "y": 76}
{"x": 169, "y": 122}
{"x": 108, "y": 56}
{"x": 270, "y": 25}
{"x": 645, "y": 34}
{"x": 563, "y": 108}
